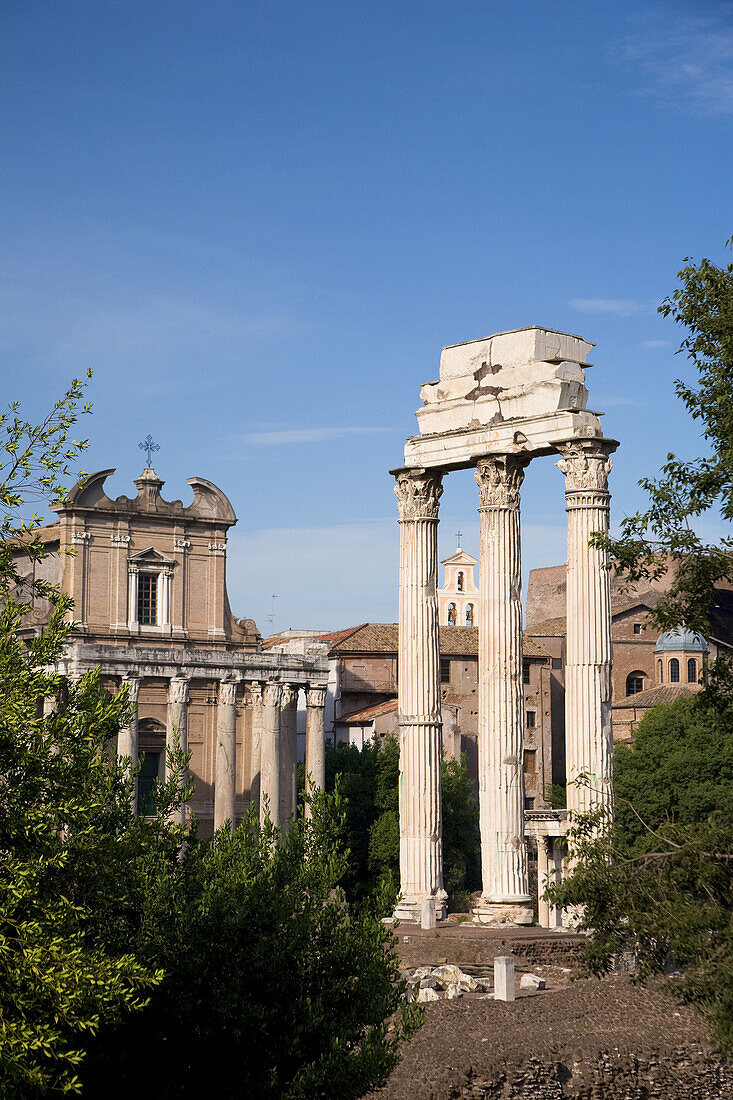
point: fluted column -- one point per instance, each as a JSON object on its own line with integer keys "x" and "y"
{"x": 254, "y": 701}
{"x": 543, "y": 906}
{"x": 226, "y": 754}
{"x": 270, "y": 753}
{"x": 177, "y": 721}
{"x": 588, "y": 734}
{"x": 288, "y": 753}
{"x": 421, "y": 828}
{"x": 501, "y": 700}
{"x": 315, "y": 745}
{"x": 127, "y": 735}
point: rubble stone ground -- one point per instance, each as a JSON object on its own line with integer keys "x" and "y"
{"x": 589, "y": 1039}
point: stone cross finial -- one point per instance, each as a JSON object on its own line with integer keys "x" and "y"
{"x": 149, "y": 447}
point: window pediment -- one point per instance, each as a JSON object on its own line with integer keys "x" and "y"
{"x": 151, "y": 556}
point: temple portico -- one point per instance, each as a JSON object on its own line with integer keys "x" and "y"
{"x": 498, "y": 404}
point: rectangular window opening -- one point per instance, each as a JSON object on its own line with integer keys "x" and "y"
{"x": 530, "y": 761}
{"x": 146, "y": 802}
{"x": 147, "y": 599}
{"x": 531, "y": 718}
{"x": 525, "y": 672}
{"x": 445, "y": 670}
{"x": 637, "y": 628}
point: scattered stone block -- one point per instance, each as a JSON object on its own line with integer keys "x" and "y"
{"x": 427, "y": 995}
{"x": 427, "y": 914}
{"x": 453, "y": 991}
{"x": 428, "y": 983}
{"x": 532, "y": 981}
{"x": 453, "y": 975}
{"x": 504, "y": 978}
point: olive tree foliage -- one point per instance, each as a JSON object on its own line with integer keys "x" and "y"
{"x": 662, "y": 536}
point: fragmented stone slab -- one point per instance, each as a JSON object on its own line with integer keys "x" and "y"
{"x": 427, "y": 995}
{"x": 532, "y": 981}
{"x": 451, "y": 974}
{"x": 453, "y": 991}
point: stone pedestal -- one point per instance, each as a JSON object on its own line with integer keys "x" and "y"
{"x": 588, "y": 735}
{"x": 506, "y": 896}
{"x": 288, "y": 754}
{"x": 127, "y": 736}
{"x": 270, "y": 754}
{"x": 177, "y": 723}
{"x": 254, "y": 702}
{"x": 421, "y": 842}
{"x": 226, "y": 754}
{"x": 504, "y": 978}
{"x": 315, "y": 746}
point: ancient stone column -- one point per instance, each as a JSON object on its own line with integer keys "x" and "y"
{"x": 315, "y": 745}
{"x": 177, "y": 722}
{"x": 270, "y": 754}
{"x": 421, "y": 831}
{"x": 225, "y": 785}
{"x": 588, "y": 735}
{"x": 543, "y": 906}
{"x": 254, "y": 700}
{"x": 501, "y": 700}
{"x": 288, "y": 753}
{"x": 127, "y": 736}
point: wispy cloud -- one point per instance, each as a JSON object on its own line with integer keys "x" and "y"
{"x": 655, "y": 343}
{"x": 622, "y": 307}
{"x": 686, "y": 61}
{"x": 305, "y": 435}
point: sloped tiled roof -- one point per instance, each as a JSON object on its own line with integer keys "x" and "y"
{"x": 549, "y": 628}
{"x": 652, "y": 697}
{"x": 369, "y": 713}
{"x": 455, "y": 641}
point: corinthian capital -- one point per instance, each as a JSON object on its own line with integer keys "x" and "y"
{"x": 178, "y": 690}
{"x": 499, "y": 479}
{"x": 271, "y": 694}
{"x": 586, "y": 466}
{"x": 289, "y": 696}
{"x": 418, "y": 493}
{"x": 316, "y": 697}
{"x": 227, "y": 692}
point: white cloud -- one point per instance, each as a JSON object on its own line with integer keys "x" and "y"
{"x": 623, "y": 307}
{"x": 655, "y": 343}
{"x": 686, "y": 60}
{"x": 304, "y": 435}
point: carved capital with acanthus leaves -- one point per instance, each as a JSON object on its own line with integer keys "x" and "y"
{"x": 499, "y": 479}
{"x": 418, "y": 494}
{"x": 586, "y": 466}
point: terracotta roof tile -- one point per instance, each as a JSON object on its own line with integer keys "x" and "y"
{"x": 369, "y": 713}
{"x": 652, "y": 697}
{"x": 455, "y": 641}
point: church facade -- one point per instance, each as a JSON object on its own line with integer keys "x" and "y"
{"x": 148, "y": 581}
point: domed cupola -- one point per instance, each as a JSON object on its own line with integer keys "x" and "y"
{"x": 680, "y": 654}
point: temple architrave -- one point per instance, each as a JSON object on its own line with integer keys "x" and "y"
{"x": 500, "y": 402}
{"x": 148, "y": 581}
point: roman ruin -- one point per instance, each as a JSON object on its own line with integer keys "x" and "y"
{"x": 498, "y": 403}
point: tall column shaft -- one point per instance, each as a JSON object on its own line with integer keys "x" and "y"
{"x": 543, "y": 906}
{"x": 254, "y": 700}
{"x": 270, "y": 754}
{"x": 315, "y": 745}
{"x": 288, "y": 753}
{"x": 225, "y": 784}
{"x": 127, "y": 736}
{"x": 501, "y": 700}
{"x": 419, "y": 704}
{"x": 588, "y": 734}
{"x": 177, "y": 722}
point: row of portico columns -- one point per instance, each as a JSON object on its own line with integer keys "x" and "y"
{"x": 273, "y": 738}
{"x": 589, "y": 745}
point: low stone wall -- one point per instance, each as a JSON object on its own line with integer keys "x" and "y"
{"x": 473, "y": 945}
{"x": 678, "y": 1075}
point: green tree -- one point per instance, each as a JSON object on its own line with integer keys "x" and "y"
{"x": 274, "y": 986}
{"x": 659, "y": 882}
{"x": 370, "y": 782}
{"x": 65, "y": 823}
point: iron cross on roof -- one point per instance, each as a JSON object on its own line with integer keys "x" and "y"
{"x": 149, "y": 447}
{"x": 459, "y": 536}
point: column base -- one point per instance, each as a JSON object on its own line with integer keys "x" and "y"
{"x": 411, "y": 910}
{"x": 503, "y": 912}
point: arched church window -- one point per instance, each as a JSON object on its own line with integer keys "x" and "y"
{"x": 469, "y": 614}
{"x": 460, "y": 582}
{"x": 451, "y": 614}
{"x": 635, "y": 683}
{"x": 692, "y": 671}
{"x": 674, "y": 671}
{"x": 660, "y": 672}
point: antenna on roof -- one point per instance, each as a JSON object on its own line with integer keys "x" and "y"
{"x": 270, "y": 620}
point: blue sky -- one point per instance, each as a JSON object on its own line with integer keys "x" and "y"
{"x": 259, "y": 224}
